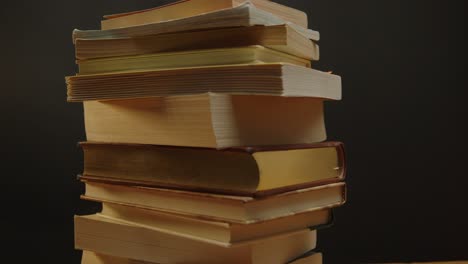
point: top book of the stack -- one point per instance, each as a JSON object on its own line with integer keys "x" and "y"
{"x": 247, "y": 13}
{"x": 189, "y": 8}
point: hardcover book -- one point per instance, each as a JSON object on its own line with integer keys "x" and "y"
{"x": 207, "y": 120}
{"x": 248, "y": 171}
{"x": 221, "y": 231}
{"x": 125, "y": 240}
{"x": 224, "y": 208}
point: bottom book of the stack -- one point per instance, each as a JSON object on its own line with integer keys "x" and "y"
{"x": 143, "y": 244}
{"x": 90, "y": 257}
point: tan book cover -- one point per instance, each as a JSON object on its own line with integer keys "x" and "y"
{"x": 126, "y": 240}
{"x": 221, "y": 231}
{"x": 90, "y": 257}
{"x": 207, "y": 120}
{"x": 223, "y": 208}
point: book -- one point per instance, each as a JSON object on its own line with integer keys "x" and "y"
{"x": 261, "y": 79}
{"x": 217, "y": 230}
{"x": 90, "y": 257}
{"x": 311, "y": 257}
{"x": 243, "y": 15}
{"x": 223, "y": 208}
{"x": 189, "y": 8}
{"x": 206, "y": 120}
{"x": 248, "y": 171}
{"x": 185, "y": 59}
{"x": 125, "y": 240}
{"x": 282, "y": 38}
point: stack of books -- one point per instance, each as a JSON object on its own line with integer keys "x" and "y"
{"x": 205, "y": 136}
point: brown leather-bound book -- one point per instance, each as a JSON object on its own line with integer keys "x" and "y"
{"x": 249, "y": 171}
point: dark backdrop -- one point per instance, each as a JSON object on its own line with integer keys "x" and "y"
{"x": 403, "y": 119}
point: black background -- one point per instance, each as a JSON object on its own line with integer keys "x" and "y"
{"x": 403, "y": 119}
